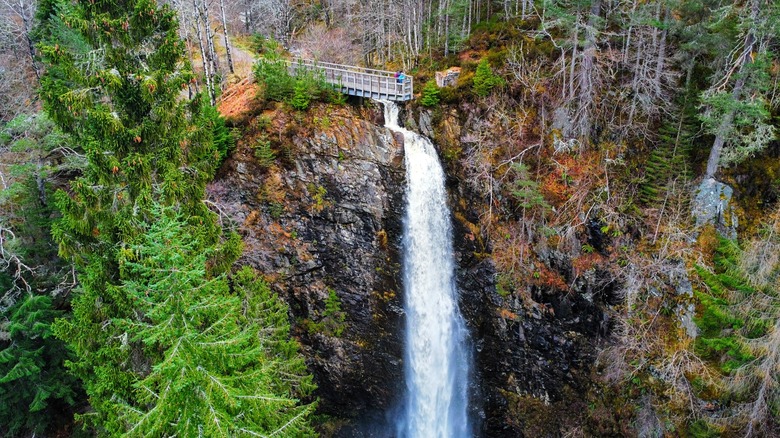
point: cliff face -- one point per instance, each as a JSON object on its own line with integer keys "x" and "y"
{"x": 324, "y": 222}
{"x": 534, "y": 352}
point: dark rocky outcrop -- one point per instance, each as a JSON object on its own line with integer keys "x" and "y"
{"x": 533, "y": 356}
{"x": 329, "y": 222}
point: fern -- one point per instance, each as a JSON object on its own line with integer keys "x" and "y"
{"x": 669, "y": 161}
{"x": 264, "y": 154}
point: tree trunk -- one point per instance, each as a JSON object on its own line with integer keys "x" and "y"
{"x": 30, "y": 44}
{"x": 213, "y": 58}
{"x": 248, "y": 15}
{"x": 660, "y": 63}
{"x": 227, "y": 38}
{"x": 713, "y": 161}
{"x": 204, "y": 56}
{"x": 587, "y": 71}
{"x": 575, "y": 39}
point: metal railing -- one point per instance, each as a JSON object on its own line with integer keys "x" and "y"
{"x": 358, "y": 81}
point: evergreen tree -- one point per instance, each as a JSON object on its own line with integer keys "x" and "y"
{"x": 668, "y": 163}
{"x": 272, "y": 72}
{"x": 430, "y": 94}
{"x": 114, "y": 77}
{"x": 739, "y": 330}
{"x": 37, "y": 395}
{"x": 737, "y": 105}
{"x": 301, "y": 95}
{"x": 485, "y": 80}
{"x": 223, "y": 139}
{"x": 221, "y": 368}
{"x": 161, "y": 343}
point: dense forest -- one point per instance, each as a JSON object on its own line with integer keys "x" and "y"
{"x": 618, "y": 158}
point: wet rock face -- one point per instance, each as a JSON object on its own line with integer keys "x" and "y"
{"x": 535, "y": 351}
{"x": 540, "y": 350}
{"x": 329, "y": 225}
{"x": 326, "y": 220}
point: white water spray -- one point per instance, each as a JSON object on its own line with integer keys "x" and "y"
{"x": 436, "y": 359}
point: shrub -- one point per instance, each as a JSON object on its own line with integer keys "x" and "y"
{"x": 264, "y": 154}
{"x": 224, "y": 141}
{"x": 298, "y": 91}
{"x": 301, "y": 96}
{"x": 485, "y": 80}
{"x": 525, "y": 190}
{"x": 430, "y": 94}
{"x": 273, "y": 74}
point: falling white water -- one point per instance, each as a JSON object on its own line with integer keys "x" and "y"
{"x": 436, "y": 359}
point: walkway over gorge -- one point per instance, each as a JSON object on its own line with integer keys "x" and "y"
{"x": 358, "y": 81}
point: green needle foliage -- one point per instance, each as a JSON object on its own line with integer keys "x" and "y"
{"x": 485, "y": 80}
{"x": 264, "y": 154}
{"x": 224, "y": 140}
{"x": 298, "y": 91}
{"x": 739, "y": 329}
{"x": 37, "y": 395}
{"x": 525, "y": 190}
{"x": 668, "y": 164}
{"x": 113, "y": 81}
{"x": 719, "y": 324}
{"x": 120, "y": 101}
{"x": 272, "y": 72}
{"x": 162, "y": 344}
{"x": 430, "y": 94}
{"x": 35, "y": 388}
{"x": 222, "y": 367}
{"x": 301, "y": 95}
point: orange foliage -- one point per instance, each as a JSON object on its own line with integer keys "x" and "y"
{"x": 586, "y": 262}
{"x": 238, "y": 100}
{"x": 708, "y": 242}
{"x": 507, "y": 314}
{"x": 546, "y": 277}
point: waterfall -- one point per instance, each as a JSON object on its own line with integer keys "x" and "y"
{"x": 436, "y": 358}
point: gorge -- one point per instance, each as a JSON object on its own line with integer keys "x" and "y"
{"x": 342, "y": 184}
{"x": 570, "y": 227}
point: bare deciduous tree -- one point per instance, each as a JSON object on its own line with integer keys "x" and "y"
{"x": 19, "y": 71}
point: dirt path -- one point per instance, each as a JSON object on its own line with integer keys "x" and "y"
{"x": 242, "y": 59}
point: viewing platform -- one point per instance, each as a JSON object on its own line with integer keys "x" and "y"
{"x": 358, "y": 81}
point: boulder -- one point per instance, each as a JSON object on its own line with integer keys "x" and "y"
{"x": 448, "y": 78}
{"x": 712, "y": 205}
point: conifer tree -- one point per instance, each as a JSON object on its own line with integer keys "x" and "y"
{"x": 484, "y": 79}
{"x": 236, "y": 371}
{"x": 113, "y": 79}
{"x": 737, "y": 105}
{"x": 113, "y": 83}
{"x": 430, "y": 94}
{"x": 37, "y": 394}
